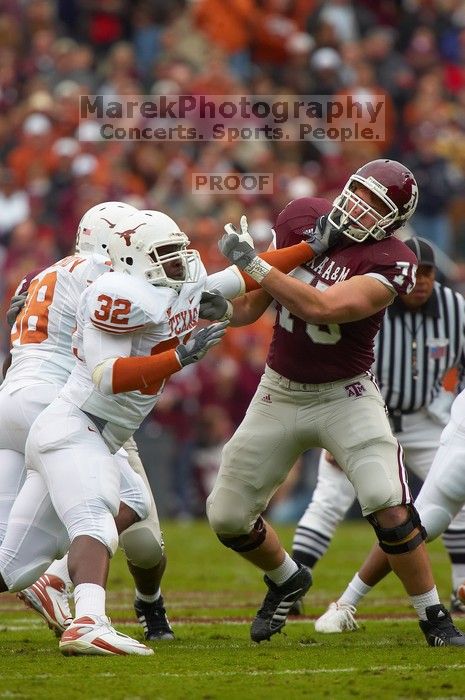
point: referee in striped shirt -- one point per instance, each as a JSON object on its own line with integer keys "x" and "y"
{"x": 421, "y": 337}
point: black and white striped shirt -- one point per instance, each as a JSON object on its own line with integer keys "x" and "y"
{"x": 413, "y": 350}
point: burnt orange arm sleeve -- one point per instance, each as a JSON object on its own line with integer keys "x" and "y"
{"x": 284, "y": 259}
{"x": 140, "y": 373}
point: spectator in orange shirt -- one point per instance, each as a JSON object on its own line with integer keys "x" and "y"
{"x": 231, "y": 26}
{"x": 33, "y": 152}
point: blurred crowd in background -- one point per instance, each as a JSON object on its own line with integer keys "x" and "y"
{"x": 52, "y": 51}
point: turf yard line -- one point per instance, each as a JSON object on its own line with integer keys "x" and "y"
{"x": 405, "y": 668}
{"x": 185, "y": 622}
{"x": 313, "y": 671}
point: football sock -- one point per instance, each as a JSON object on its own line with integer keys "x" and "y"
{"x": 309, "y": 545}
{"x": 283, "y": 572}
{"x": 89, "y": 599}
{"x": 423, "y": 601}
{"x": 60, "y": 568}
{"x": 148, "y": 598}
{"x": 354, "y": 592}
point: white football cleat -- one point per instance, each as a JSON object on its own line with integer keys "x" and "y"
{"x": 460, "y": 593}
{"x": 457, "y": 600}
{"x": 93, "y": 635}
{"x": 339, "y": 617}
{"x": 48, "y": 597}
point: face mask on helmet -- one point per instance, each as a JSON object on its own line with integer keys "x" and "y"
{"x": 396, "y": 197}
{"x": 97, "y": 225}
{"x": 149, "y": 244}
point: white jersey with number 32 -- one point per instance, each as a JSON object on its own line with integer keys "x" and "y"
{"x": 41, "y": 336}
{"x": 123, "y": 316}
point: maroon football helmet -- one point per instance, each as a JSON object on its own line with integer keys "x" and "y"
{"x": 393, "y": 184}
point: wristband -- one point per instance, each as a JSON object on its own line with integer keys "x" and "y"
{"x": 228, "y": 313}
{"x": 258, "y": 269}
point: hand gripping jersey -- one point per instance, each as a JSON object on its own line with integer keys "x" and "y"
{"x": 315, "y": 354}
{"x": 123, "y": 316}
{"x": 41, "y": 335}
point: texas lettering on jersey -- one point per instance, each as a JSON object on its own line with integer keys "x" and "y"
{"x": 315, "y": 354}
{"x": 183, "y": 321}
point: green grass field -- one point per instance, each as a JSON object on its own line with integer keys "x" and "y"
{"x": 211, "y": 596}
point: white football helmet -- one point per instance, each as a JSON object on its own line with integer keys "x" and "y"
{"x": 136, "y": 248}
{"x": 96, "y": 226}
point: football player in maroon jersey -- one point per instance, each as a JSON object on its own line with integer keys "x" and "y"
{"x": 318, "y": 390}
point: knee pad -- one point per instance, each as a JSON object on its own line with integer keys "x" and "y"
{"x": 21, "y": 578}
{"x": 437, "y": 509}
{"x": 143, "y": 544}
{"x": 436, "y": 519}
{"x": 21, "y": 566}
{"x": 246, "y": 543}
{"x": 230, "y": 513}
{"x": 403, "y": 538}
{"x": 135, "y": 495}
{"x": 96, "y": 522}
{"x": 30, "y": 546}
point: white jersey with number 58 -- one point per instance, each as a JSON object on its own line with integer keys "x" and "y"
{"x": 41, "y": 336}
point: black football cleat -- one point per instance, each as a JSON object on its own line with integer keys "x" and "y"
{"x": 152, "y": 617}
{"x": 297, "y": 607}
{"x": 272, "y": 616}
{"x": 439, "y": 629}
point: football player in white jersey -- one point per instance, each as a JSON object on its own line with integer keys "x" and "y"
{"x": 142, "y": 542}
{"x": 115, "y": 383}
{"x": 41, "y": 363}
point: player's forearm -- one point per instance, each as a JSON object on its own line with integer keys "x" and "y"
{"x": 123, "y": 374}
{"x": 233, "y": 283}
{"x": 344, "y": 302}
{"x": 248, "y": 308}
{"x": 300, "y": 299}
{"x": 284, "y": 259}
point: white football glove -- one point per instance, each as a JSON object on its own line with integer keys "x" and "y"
{"x": 244, "y": 235}
{"x": 240, "y": 251}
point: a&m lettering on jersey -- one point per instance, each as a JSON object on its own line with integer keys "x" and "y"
{"x": 327, "y": 269}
